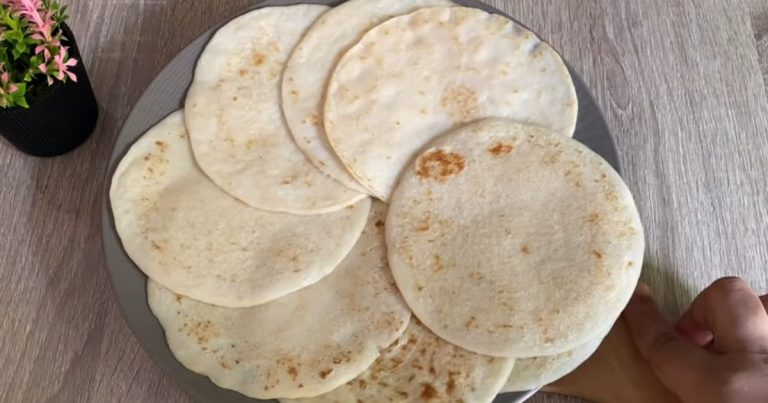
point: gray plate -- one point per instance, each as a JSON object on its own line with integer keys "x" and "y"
{"x": 165, "y": 95}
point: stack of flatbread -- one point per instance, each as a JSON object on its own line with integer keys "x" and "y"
{"x": 378, "y": 202}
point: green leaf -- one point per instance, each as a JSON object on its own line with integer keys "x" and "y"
{"x": 12, "y": 24}
{"x": 22, "y": 102}
{"x": 22, "y": 47}
{"x": 15, "y": 36}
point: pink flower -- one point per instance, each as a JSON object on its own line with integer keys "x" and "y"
{"x": 42, "y": 25}
{"x": 7, "y": 87}
{"x": 63, "y": 63}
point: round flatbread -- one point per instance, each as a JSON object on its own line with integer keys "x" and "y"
{"x": 533, "y": 373}
{"x": 304, "y": 344}
{"x": 238, "y": 133}
{"x": 311, "y": 65}
{"x": 416, "y": 76}
{"x": 511, "y": 240}
{"x": 421, "y": 367}
{"x": 185, "y": 233}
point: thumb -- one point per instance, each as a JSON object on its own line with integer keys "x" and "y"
{"x": 679, "y": 364}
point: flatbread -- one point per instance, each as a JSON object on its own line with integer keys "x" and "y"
{"x": 416, "y": 76}
{"x": 421, "y": 367}
{"x": 511, "y": 240}
{"x": 311, "y": 64}
{"x": 304, "y": 344}
{"x": 532, "y": 373}
{"x": 238, "y": 133}
{"x": 185, "y": 233}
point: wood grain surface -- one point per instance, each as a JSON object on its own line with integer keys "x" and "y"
{"x": 682, "y": 84}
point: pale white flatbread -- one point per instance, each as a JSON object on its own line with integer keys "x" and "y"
{"x": 416, "y": 76}
{"x": 238, "y": 133}
{"x": 311, "y": 64}
{"x": 421, "y": 367}
{"x": 304, "y": 344}
{"x": 532, "y": 373}
{"x": 187, "y": 234}
{"x": 511, "y": 240}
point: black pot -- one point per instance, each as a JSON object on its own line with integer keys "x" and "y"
{"x": 58, "y": 121}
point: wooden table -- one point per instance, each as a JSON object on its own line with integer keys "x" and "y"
{"x": 682, "y": 84}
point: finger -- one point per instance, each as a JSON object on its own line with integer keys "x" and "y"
{"x": 764, "y": 300}
{"x": 735, "y": 315}
{"x": 694, "y": 332}
{"x": 679, "y": 364}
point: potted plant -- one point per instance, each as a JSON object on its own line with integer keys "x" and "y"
{"x": 47, "y": 106}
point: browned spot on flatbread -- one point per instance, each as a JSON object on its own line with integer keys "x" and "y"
{"x": 525, "y": 249}
{"x": 593, "y": 218}
{"x": 161, "y": 145}
{"x": 289, "y": 180}
{"x": 499, "y": 149}
{"x": 552, "y": 158}
{"x": 258, "y": 59}
{"x": 293, "y": 372}
{"x": 428, "y": 392}
{"x": 438, "y": 263}
{"x": 202, "y": 332}
{"x": 470, "y": 322}
{"x": 611, "y": 196}
{"x": 596, "y": 253}
{"x": 603, "y": 177}
{"x": 379, "y": 224}
{"x": 440, "y": 165}
{"x": 324, "y": 373}
{"x": 179, "y": 297}
{"x": 314, "y": 119}
{"x": 451, "y": 384}
{"x": 461, "y": 103}
{"x": 424, "y": 224}
{"x": 243, "y": 72}
{"x": 157, "y": 246}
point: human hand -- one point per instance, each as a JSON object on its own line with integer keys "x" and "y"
{"x": 717, "y": 352}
